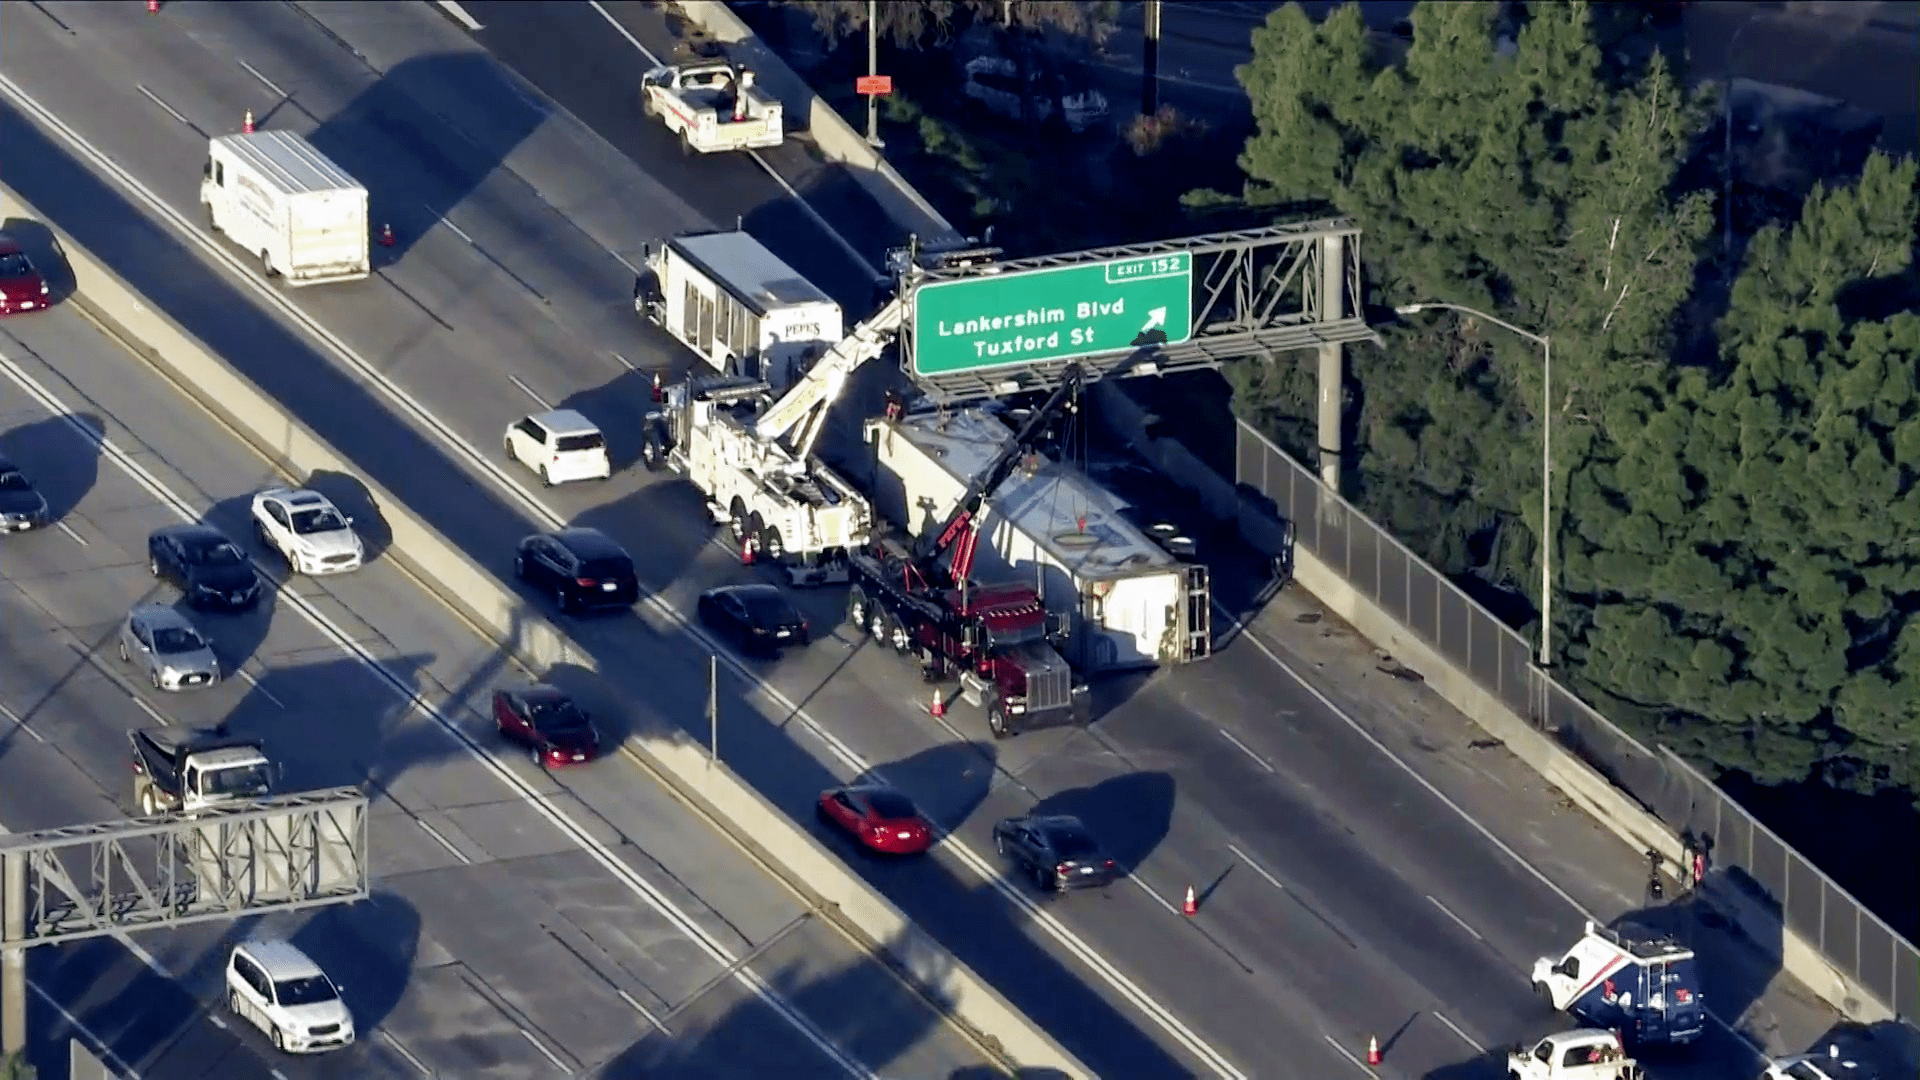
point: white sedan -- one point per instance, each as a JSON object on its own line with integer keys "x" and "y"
{"x": 308, "y": 531}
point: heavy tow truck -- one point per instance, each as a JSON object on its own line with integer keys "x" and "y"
{"x": 751, "y": 456}
{"x": 1633, "y": 980}
{"x": 1581, "y": 1054}
{"x": 713, "y": 106}
{"x": 997, "y": 639}
{"x": 186, "y": 770}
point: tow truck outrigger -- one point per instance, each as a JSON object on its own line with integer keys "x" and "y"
{"x": 998, "y": 639}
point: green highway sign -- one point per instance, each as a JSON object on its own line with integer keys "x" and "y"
{"x": 1027, "y": 316}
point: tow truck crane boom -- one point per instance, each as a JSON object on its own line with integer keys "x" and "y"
{"x": 802, "y": 411}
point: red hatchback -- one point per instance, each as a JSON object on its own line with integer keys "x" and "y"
{"x": 547, "y": 723}
{"x": 880, "y": 817}
{"x": 21, "y": 286}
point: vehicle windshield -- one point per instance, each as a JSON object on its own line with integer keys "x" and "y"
{"x": 768, "y": 608}
{"x": 14, "y": 481}
{"x": 1073, "y": 844}
{"x": 891, "y": 804}
{"x": 311, "y": 990}
{"x": 169, "y": 640}
{"x": 557, "y": 716}
{"x": 1002, "y": 636}
{"x": 590, "y": 441}
{"x": 213, "y": 553}
{"x": 240, "y": 780}
{"x": 14, "y": 265}
{"x": 606, "y": 568}
{"x": 325, "y": 519}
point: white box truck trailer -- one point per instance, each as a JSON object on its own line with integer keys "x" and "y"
{"x": 1129, "y": 602}
{"x": 729, "y": 299}
{"x": 282, "y": 202}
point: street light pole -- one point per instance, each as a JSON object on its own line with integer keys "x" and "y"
{"x": 873, "y": 68}
{"x": 1545, "y": 658}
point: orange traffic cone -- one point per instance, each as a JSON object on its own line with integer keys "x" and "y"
{"x": 746, "y": 551}
{"x": 386, "y": 236}
{"x": 1192, "y": 906}
{"x": 153, "y": 7}
{"x": 659, "y": 393}
{"x": 246, "y": 123}
{"x": 939, "y": 706}
{"x": 1373, "y": 1050}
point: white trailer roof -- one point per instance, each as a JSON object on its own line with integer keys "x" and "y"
{"x": 1048, "y": 505}
{"x": 746, "y": 267}
{"x": 290, "y": 160}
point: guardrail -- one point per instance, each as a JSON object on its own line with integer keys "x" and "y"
{"x": 1855, "y": 941}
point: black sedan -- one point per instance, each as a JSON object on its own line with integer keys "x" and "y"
{"x": 582, "y": 569}
{"x": 206, "y": 566}
{"x": 21, "y": 507}
{"x": 757, "y": 619}
{"x": 1055, "y": 850}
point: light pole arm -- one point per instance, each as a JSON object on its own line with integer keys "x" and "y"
{"x": 1415, "y": 309}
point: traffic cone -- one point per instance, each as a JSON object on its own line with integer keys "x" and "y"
{"x": 153, "y": 7}
{"x": 746, "y": 551}
{"x": 246, "y": 123}
{"x": 1373, "y": 1050}
{"x": 386, "y": 236}
{"x": 939, "y": 706}
{"x": 659, "y": 392}
{"x": 1192, "y": 906}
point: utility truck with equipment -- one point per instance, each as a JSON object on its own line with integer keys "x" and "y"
{"x": 186, "y": 770}
{"x": 713, "y": 106}
{"x": 997, "y": 639}
{"x": 1632, "y": 980}
{"x": 1582, "y": 1054}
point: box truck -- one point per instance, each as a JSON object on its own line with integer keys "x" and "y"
{"x": 283, "y": 203}
{"x": 736, "y": 304}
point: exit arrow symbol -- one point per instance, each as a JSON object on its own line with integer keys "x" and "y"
{"x": 1156, "y": 317}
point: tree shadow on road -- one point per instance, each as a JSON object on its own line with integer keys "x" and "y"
{"x": 62, "y": 463}
{"x": 349, "y": 493}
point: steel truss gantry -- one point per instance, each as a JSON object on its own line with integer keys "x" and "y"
{"x": 1257, "y": 292}
{"x": 276, "y": 854}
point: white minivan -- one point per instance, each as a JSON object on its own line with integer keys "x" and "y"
{"x": 561, "y": 446}
{"x": 286, "y": 995}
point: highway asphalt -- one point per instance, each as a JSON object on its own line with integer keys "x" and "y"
{"x": 1341, "y": 899}
{"x": 522, "y": 923}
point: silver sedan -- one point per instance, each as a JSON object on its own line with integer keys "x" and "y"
{"x": 163, "y": 644}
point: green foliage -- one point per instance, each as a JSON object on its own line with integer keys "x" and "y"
{"x": 15, "y": 1067}
{"x": 913, "y": 24}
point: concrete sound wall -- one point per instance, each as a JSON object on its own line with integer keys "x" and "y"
{"x": 673, "y": 759}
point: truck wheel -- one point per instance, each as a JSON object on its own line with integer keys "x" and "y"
{"x": 1546, "y": 995}
{"x": 772, "y": 546}
{"x": 149, "y": 806}
{"x": 900, "y": 638}
{"x": 652, "y": 453}
{"x": 647, "y": 107}
{"x": 997, "y": 721}
{"x": 880, "y": 626}
{"x": 545, "y": 479}
{"x": 213, "y": 226}
{"x": 857, "y": 605}
{"x": 686, "y": 144}
{"x": 507, "y": 444}
{"x": 266, "y": 266}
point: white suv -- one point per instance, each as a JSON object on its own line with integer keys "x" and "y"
{"x": 286, "y": 995}
{"x": 561, "y": 445}
{"x": 308, "y": 531}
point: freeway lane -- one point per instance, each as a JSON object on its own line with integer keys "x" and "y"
{"x": 564, "y": 959}
{"x": 1151, "y": 777}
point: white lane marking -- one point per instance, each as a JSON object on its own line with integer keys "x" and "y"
{"x": 1448, "y": 912}
{"x": 1501, "y": 845}
{"x": 1349, "y": 1055}
{"x": 805, "y": 207}
{"x": 1247, "y": 750}
{"x": 171, "y": 111}
{"x": 1256, "y": 867}
{"x": 21, "y": 724}
{"x": 246, "y": 278}
{"x": 444, "y": 842}
{"x": 1157, "y": 898}
{"x": 277, "y": 1074}
{"x": 68, "y": 529}
{"x": 528, "y": 390}
{"x": 149, "y": 710}
{"x": 264, "y": 81}
{"x": 1470, "y": 1041}
{"x": 458, "y": 231}
{"x": 632, "y": 269}
{"x": 643, "y": 1011}
{"x": 404, "y": 1052}
{"x": 624, "y": 362}
{"x": 542, "y": 1047}
{"x": 263, "y": 691}
{"x": 99, "y": 1045}
{"x": 144, "y": 956}
{"x": 459, "y": 13}
{"x": 715, "y": 950}
{"x": 216, "y": 1022}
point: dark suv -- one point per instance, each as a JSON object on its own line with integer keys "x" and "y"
{"x": 580, "y": 568}
{"x": 1055, "y": 850}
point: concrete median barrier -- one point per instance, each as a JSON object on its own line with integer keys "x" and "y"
{"x": 494, "y": 608}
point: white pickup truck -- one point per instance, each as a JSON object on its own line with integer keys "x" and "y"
{"x": 712, "y": 105}
{"x": 1581, "y": 1054}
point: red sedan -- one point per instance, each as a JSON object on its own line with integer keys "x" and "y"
{"x": 547, "y": 723}
{"x": 21, "y": 286}
{"x": 881, "y": 818}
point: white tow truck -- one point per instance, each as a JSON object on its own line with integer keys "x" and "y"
{"x": 1581, "y": 1054}
{"x": 712, "y": 105}
{"x": 751, "y": 456}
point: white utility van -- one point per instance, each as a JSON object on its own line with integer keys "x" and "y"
{"x": 285, "y": 204}
{"x": 272, "y": 985}
{"x": 735, "y": 303}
